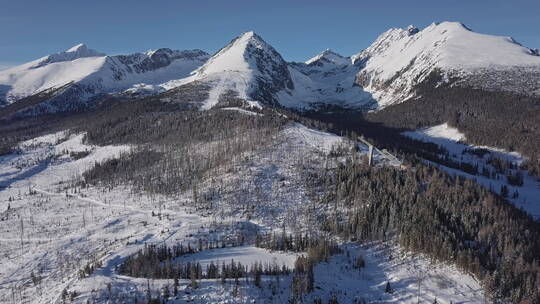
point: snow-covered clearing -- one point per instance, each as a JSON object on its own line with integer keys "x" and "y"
{"x": 246, "y": 255}
{"x": 320, "y": 141}
{"x": 452, "y": 140}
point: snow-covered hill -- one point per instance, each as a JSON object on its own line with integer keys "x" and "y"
{"x": 92, "y": 73}
{"x": 451, "y": 139}
{"x": 400, "y": 59}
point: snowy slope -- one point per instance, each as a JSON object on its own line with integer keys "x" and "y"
{"x": 326, "y": 79}
{"x": 47, "y": 72}
{"x": 94, "y": 73}
{"x": 452, "y": 140}
{"x": 401, "y": 58}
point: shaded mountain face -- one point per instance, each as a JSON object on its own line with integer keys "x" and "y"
{"x": 388, "y": 72}
{"x": 155, "y": 60}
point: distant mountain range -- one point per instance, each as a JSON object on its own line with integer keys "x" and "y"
{"x": 386, "y": 73}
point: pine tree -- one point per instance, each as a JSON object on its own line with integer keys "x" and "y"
{"x": 388, "y": 288}
{"x": 193, "y": 276}
{"x": 359, "y": 262}
{"x": 258, "y": 270}
{"x": 333, "y": 300}
{"x": 235, "y": 289}
{"x": 148, "y": 292}
{"x": 166, "y": 292}
{"x": 175, "y": 287}
{"x": 310, "y": 278}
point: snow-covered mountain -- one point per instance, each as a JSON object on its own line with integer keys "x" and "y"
{"x": 76, "y": 52}
{"x": 389, "y": 71}
{"x": 247, "y": 66}
{"x": 90, "y": 73}
{"x": 326, "y": 79}
{"x": 254, "y": 70}
{"x": 400, "y": 59}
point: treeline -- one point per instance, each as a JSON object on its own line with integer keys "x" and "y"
{"x": 353, "y": 124}
{"x": 499, "y": 168}
{"x": 159, "y": 262}
{"x": 448, "y": 218}
{"x": 317, "y": 248}
{"x": 13, "y": 131}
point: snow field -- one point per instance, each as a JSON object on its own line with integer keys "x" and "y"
{"x": 246, "y": 255}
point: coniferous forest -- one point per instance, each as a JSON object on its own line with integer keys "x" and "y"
{"x": 448, "y": 218}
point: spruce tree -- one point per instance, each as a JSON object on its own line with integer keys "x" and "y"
{"x": 388, "y": 288}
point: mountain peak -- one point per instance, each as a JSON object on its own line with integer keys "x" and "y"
{"x": 247, "y": 65}
{"x": 240, "y": 55}
{"x": 453, "y": 25}
{"x": 400, "y": 58}
{"x": 251, "y": 38}
{"x": 330, "y": 52}
{"x": 248, "y": 35}
{"x": 328, "y": 56}
{"x": 83, "y": 51}
{"x": 76, "y": 48}
{"x": 76, "y": 52}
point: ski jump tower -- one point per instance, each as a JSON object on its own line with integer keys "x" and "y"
{"x": 370, "y": 155}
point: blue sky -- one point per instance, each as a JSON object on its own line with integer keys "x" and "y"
{"x": 297, "y": 29}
